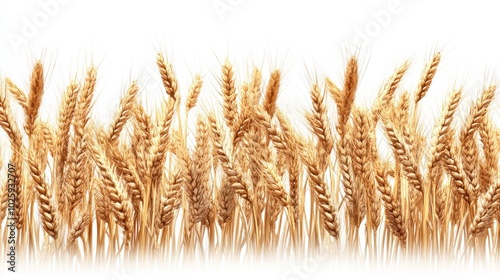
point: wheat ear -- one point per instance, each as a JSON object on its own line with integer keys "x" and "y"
{"x": 427, "y": 76}
{"x": 488, "y": 206}
{"x": 125, "y": 111}
{"x": 35, "y": 96}
{"x": 272, "y": 91}
{"x": 167, "y": 76}
{"x": 327, "y": 210}
{"x": 230, "y": 107}
{"x": 47, "y": 208}
{"x": 234, "y": 177}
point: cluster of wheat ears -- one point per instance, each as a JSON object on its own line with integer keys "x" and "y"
{"x": 252, "y": 184}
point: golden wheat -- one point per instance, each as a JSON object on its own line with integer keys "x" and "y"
{"x": 253, "y": 180}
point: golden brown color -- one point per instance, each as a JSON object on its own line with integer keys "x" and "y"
{"x": 252, "y": 183}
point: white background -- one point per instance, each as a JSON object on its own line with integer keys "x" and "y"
{"x": 304, "y": 38}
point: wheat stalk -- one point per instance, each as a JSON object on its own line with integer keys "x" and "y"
{"x": 158, "y": 185}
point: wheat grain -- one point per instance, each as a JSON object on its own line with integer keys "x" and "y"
{"x": 230, "y": 107}
{"x": 427, "y": 76}
{"x": 488, "y": 206}
{"x": 322, "y": 194}
{"x": 233, "y": 176}
{"x": 194, "y": 92}
{"x": 47, "y": 209}
{"x": 272, "y": 91}
{"x": 35, "y": 96}
{"x": 124, "y": 112}
{"x": 167, "y": 76}
{"x": 319, "y": 120}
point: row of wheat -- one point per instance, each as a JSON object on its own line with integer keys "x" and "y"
{"x": 252, "y": 184}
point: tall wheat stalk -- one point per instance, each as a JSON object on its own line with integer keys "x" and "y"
{"x": 251, "y": 184}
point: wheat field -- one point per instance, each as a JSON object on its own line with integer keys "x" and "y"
{"x": 252, "y": 186}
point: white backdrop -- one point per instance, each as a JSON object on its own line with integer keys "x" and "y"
{"x": 301, "y": 37}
